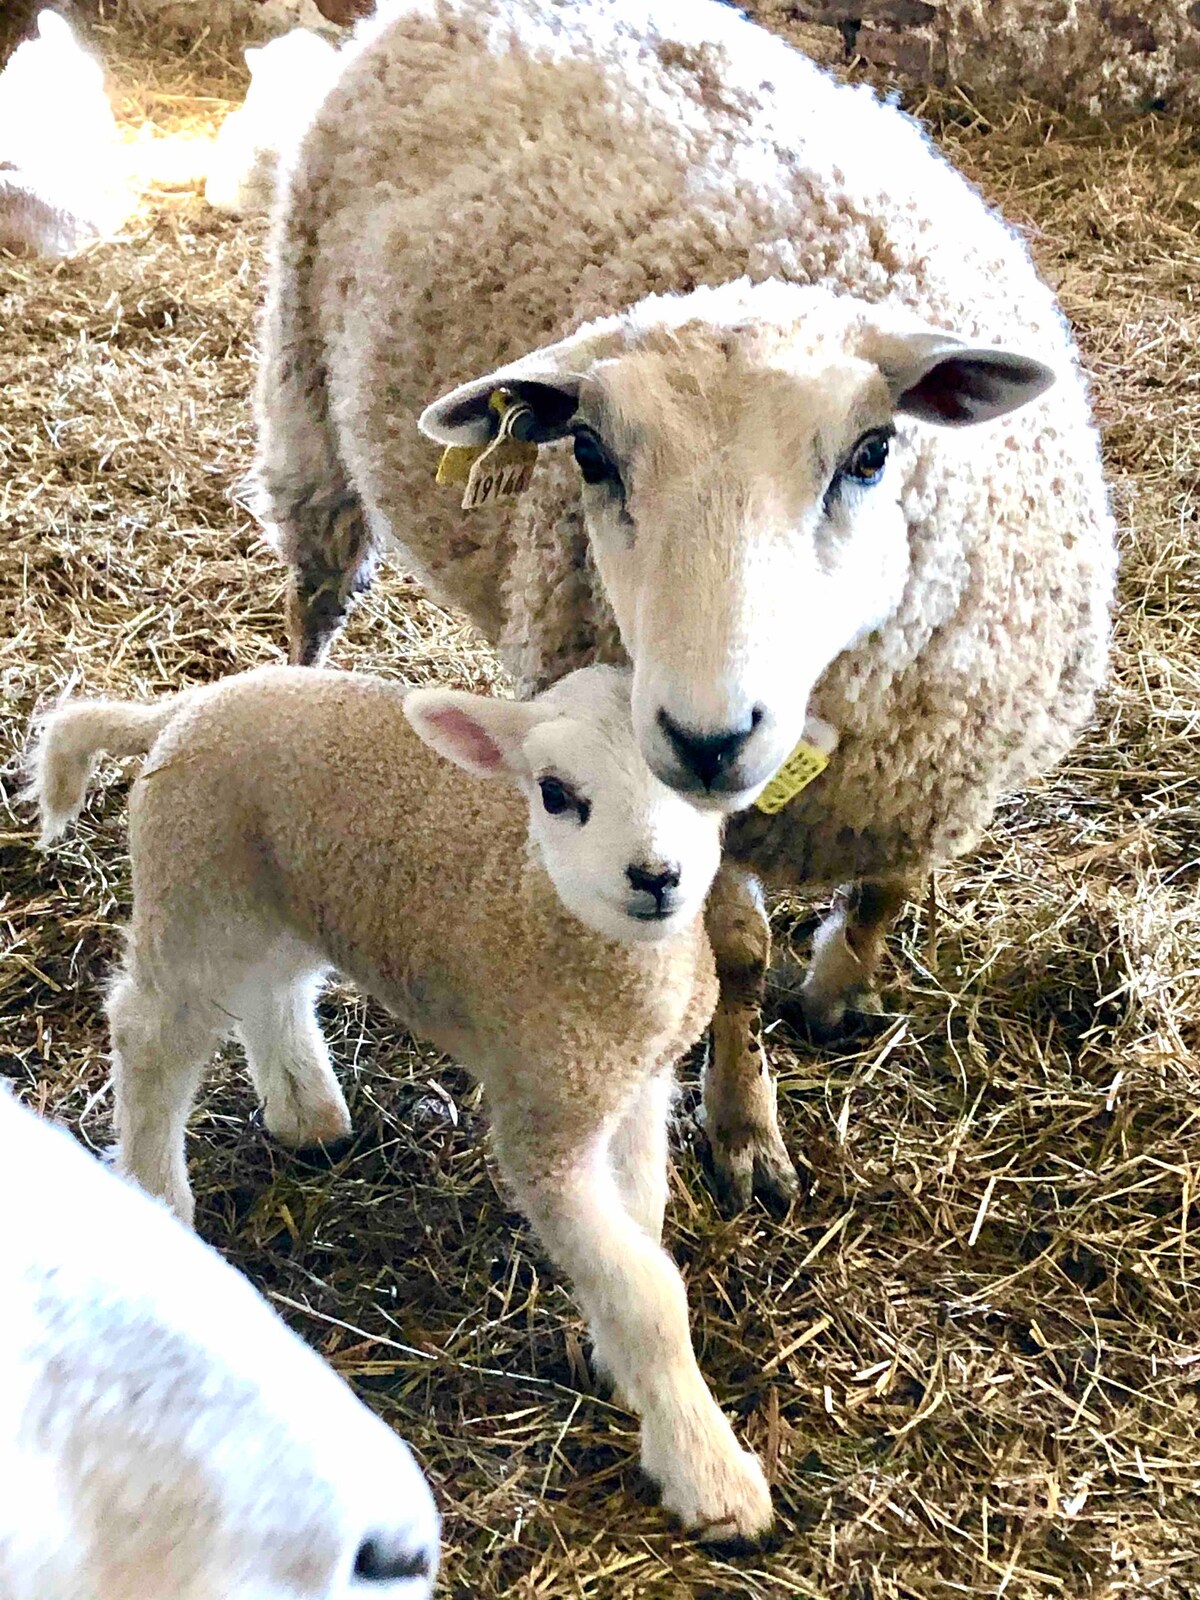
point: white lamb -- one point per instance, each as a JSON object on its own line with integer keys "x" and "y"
{"x": 163, "y": 1435}
{"x": 288, "y": 80}
{"x": 545, "y": 930}
{"x": 799, "y": 365}
{"x": 63, "y": 173}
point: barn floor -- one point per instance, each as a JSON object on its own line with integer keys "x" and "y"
{"x": 971, "y": 1354}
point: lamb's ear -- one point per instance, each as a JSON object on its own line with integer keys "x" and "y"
{"x": 481, "y": 735}
{"x": 933, "y": 377}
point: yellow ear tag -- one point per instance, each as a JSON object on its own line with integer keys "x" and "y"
{"x": 499, "y": 470}
{"x": 806, "y": 762}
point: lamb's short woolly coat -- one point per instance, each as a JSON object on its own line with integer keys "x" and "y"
{"x": 415, "y": 879}
{"x": 488, "y": 174}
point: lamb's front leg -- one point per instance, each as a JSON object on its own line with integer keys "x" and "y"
{"x": 634, "y": 1298}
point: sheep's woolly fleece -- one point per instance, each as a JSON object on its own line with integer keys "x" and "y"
{"x": 1096, "y": 55}
{"x": 606, "y": 153}
{"x": 968, "y": 1352}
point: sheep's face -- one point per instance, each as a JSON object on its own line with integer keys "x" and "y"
{"x": 734, "y": 451}
{"x": 628, "y": 855}
{"x": 165, "y": 1434}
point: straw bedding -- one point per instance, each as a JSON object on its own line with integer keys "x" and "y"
{"x": 971, "y": 1352}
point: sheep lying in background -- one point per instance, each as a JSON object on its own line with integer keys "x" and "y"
{"x": 163, "y": 1435}
{"x": 288, "y": 79}
{"x": 801, "y": 480}
{"x": 545, "y": 931}
{"x": 62, "y": 166}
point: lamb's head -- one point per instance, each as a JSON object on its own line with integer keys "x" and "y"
{"x": 627, "y": 855}
{"x": 733, "y": 448}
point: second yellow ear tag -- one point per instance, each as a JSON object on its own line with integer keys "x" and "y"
{"x": 500, "y": 470}
{"x": 806, "y": 762}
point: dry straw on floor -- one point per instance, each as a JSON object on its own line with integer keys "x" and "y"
{"x": 971, "y": 1354}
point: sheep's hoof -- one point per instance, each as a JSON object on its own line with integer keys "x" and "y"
{"x": 750, "y": 1163}
{"x": 858, "y": 1015}
{"x": 720, "y": 1494}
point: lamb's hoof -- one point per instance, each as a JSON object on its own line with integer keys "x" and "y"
{"x": 750, "y": 1162}
{"x": 325, "y": 1129}
{"x": 721, "y": 1499}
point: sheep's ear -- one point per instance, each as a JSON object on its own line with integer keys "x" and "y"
{"x": 939, "y": 380}
{"x": 481, "y": 735}
{"x": 549, "y": 379}
{"x": 465, "y": 416}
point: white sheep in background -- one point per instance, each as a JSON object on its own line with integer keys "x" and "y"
{"x": 288, "y": 80}
{"x": 545, "y": 930}
{"x": 761, "y": 310}
{"x": 63, "y": 171}
{"x": 163, "y": 1435}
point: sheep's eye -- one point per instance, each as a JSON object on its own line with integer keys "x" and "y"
{"x": 594, "y": 461}
{"x": 867, "y": 460}
{"x": 559, "y": 797}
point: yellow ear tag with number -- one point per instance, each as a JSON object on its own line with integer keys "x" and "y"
{"x": 806, "y": 762}
{"x": 499, "y": 470}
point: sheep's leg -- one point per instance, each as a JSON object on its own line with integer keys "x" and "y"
{"x": 328, "y": 549}
{"x": 846, "y": 953}
{"x": 161, "y": 1044}
{"x": 305, "y": 491}
{"x": 635, "y": 1301}
{"x": 639, "y": 1155}
{"x": 288, "y": 1058}
{"x": 740, "y": 1115}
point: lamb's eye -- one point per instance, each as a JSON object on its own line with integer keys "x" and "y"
{"x": 594, "y": 461}
{"x": 867, "y": 460}
{"x": 559, "y": 797}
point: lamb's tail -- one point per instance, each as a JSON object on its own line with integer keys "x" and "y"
{"x": 69, "y": 740}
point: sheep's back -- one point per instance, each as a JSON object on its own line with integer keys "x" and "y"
{"x": 488, "y": 176}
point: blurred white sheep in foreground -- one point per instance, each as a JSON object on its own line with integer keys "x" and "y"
{"x": 163, "y": 1435}
{"x": 63, "y": 178}
{"x": 288, "y": 80}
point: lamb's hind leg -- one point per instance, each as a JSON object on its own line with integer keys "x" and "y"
{"x": 161, "y": 1042}
{"x": 847, "y": 951}
{"x": 740, "y": 1116}
{"x": 277, "y": 1023}
{"x": 635, "y": 1301}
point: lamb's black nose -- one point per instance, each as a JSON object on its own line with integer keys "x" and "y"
{"x": 653, "y": 880}
{"x": 707, "y": 756}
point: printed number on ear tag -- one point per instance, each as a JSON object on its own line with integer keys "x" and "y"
{"x": 805, "y": 763}
{"x": 500, "y": 470}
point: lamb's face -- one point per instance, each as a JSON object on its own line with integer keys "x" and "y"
{"x": 628, "y": 855}
{"x": 735, "y": 450}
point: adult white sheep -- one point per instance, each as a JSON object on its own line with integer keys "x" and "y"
{"x": 546, "y": 931}
{"x": 162, "y": 1433}
{"x": 288, "y": 78}
{"x": 743, "y": 291}
{"x": 62, "y": 168}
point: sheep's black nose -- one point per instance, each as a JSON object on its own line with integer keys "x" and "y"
{"x": 653, "y": 880}
{"x": 385, "y": 1557}
{"x": 707, "y": 756}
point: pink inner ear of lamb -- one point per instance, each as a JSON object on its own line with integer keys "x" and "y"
{"x": 465, "y": 733}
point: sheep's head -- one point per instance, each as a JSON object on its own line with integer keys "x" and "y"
{"x": 627, "y": 855}
{"x": 733, "y": 450}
